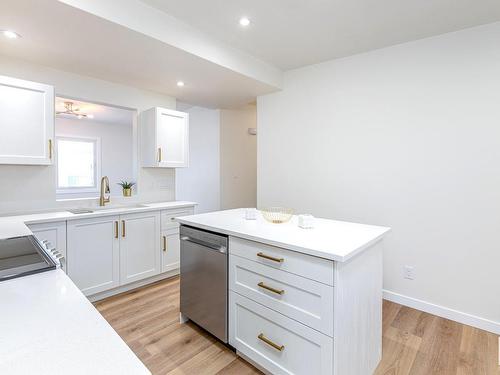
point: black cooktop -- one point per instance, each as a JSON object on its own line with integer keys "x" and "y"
{"x": 21, "y": 256}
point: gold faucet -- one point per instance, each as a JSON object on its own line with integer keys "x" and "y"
{"x": 104, "y": 191}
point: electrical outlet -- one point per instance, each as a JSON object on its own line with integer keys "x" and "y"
{"x": 409, "y": 272}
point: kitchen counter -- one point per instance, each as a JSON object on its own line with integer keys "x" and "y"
{"x": 329, "y": 239}
{"x": 316, "y": 292}
{"x": 13, "y": 226}
{"x": 48, "y": 327}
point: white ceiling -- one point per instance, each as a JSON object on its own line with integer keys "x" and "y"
{"x": 294, "y": 33}
{"x": 102, "y": 113}
{"x": 66, "y": 38}
{"x": 151, "y": 44}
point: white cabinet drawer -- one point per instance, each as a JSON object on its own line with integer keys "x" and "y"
{"x": 258, "y": 333}
{"x": 287, "y": 260}
{"x": 304, "y": 300}
{"x": 168, "y": 217}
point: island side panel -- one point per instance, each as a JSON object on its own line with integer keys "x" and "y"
{"x": 358, "y": 313}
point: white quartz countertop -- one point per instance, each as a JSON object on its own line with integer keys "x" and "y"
{"x": 329, "y": 239}
{"x": 13, "y": 226}
{"x": 47, "y": 326}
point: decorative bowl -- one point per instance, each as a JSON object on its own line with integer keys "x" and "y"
{"x": 277, "y": 215}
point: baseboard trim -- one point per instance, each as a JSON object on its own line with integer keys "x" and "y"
{"x": 444, "y": 312}
{"x": 134, "y": 285}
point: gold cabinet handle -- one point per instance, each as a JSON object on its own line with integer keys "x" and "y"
{"x": 50, "y": 148}
{"x": 270, "y": 343}
{"x": 159, "y": 154}
{"x": 271, "y": 289}
{"x": 116, "y": 229}
{"x": 164, "y": 243}
{"x": 262, "y": 255}
{"x": 123, "y": 228}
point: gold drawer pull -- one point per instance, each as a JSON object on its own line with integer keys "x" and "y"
{"x": 277, "y": 291}
{"x": 262, "y": 255}
{"x": 270, "y": 343}
{"x": 164, "y": 243}
{"x": 123, "y": 228}
{"x": 50, "y": 149}
{"x": 116, "y": 229}
{"x": 159, "y": 154}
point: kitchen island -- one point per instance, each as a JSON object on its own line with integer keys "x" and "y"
{"x": 302, "y": 301}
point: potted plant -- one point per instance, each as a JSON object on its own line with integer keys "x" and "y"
{"x": 127, "y": 188}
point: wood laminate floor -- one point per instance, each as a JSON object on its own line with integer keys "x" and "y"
{"x": 414, "y": 343}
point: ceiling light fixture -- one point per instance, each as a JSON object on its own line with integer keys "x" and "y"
{"x": 69, "y": 110}
{"x": 10, "y": 34}
{"x": 244, "y": 21}
{"x": 180, "y": 84}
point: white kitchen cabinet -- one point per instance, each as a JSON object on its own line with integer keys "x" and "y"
{"x": 164, "y": 138}
{"x": 107, "y": 252}
{"x": 26, "y": 122}
{"x": 285, "y": 305}
{"x": 55, "y": 234}
{"x": 168, "y": 217}
{"x": 302, "y": 299}
{"x": 279, "y": 344}
{"x": 139, "y": 246}
{"x": 171, "y": 245}
{"x": 171, "y": 250}
{"x": 93, "y": 253}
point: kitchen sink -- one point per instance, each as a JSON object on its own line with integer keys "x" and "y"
{"x": 89, "y": 210}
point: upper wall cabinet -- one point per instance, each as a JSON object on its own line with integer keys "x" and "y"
{"x": 26, "y": 122}
{"x": 164, "y": 135}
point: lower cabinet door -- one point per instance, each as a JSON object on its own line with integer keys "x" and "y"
{"x": 171, "y": 250}
{"x": 55, "y": 233}
{"x": 93, "y": 262}
{"x": 277, "y": 343}
{"x": 139, "y": 246}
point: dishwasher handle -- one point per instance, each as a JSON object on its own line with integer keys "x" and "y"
{"x": 220, "y": 249}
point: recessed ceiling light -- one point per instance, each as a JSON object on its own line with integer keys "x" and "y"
{"x": 180, "y": 83}
{"x": 244, "y": 21}
{"x": 10, "y": 34}
{"x": 90, "y": 116}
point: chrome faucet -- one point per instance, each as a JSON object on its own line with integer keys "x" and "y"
{"x": 104, "y": 190}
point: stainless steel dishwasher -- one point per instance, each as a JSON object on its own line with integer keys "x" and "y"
{"x": 204, "y": 289}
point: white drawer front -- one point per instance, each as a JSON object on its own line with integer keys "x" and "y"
{"x": 168, "y": 217}
{"x": 307, "y": 301}
{"x": 305, "y": 351}
{"x": 287, "y": 260}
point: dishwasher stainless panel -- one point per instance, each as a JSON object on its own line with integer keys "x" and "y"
{"x": 204, "y": 280}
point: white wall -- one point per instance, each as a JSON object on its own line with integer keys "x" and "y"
{"x": 33, "y": 187}
{"x": 116, "y": 141}
{"x": 200, "y": 182}
{"x": 238, "y": 158}
{"x": 409, "y": 137}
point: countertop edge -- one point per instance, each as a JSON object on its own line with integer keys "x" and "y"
{"x": 299, "y": 249}
{"x": 110, "y": 212}
{"x": 19, "y": 223}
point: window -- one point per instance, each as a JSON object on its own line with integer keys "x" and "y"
{"x": 77, "y": 164}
